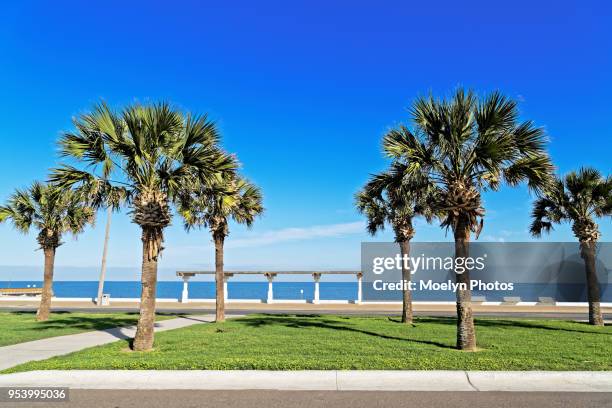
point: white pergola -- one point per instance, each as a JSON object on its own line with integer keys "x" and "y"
{"x": 269, "y": 275}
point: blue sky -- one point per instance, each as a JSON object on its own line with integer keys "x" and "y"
{"x": 302, "y": 92}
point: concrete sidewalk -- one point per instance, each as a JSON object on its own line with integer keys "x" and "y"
{"x": 516, "y": 381}
{"x": 56, "y": 346}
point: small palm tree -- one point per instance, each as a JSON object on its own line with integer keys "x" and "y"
{"x": 578, "y": 199}
{"x": 150, "y": 151}
{"x": 392, "y": 198}
{"x": 52, "y": 212}
{"x": 467, "y": 145}
{"x": 213, "y": 205}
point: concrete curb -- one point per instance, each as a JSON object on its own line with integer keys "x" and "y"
{"x": 560, "y": 381}
{"x": 335, "y": 380}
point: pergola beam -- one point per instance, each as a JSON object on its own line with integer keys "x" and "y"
{"x": 270, "y": 275}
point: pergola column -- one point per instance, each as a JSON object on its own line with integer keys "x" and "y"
{"x": 270, "y": 277}
{"x": 225, "y": 291}
{"x": 317, "y": 277}
{"x": 185, "y": 292}
{"x": 359, "y": 287}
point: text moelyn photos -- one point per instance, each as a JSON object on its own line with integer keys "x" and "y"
{"x": 459, "y": 265}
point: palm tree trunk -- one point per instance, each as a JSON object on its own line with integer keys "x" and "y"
{"x": 466, "y": 334}
{"x": 219, "y": 276}
{"x": 47, "y": 293}
{"x": 406, "y": 276}
{"x": 146, "y": 322}
{"x": 104, "y": 253}
{"x": 588, "y": 254}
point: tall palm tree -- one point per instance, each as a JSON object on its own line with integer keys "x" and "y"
{"x": 578, "y": 199}
{"x": 467, "y": 145}
{"x": 52, "y": 211}
{"x": 213, "y": 205}
{"x": 150, "y": 151}
{"x": 99, "y": 193}
{"x": 109, "y": 216}
{"x": 390, "y": 197}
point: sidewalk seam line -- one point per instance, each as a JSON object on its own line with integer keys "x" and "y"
{"x": 467, "y": 376}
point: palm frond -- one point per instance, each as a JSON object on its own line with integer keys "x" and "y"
{"x": 576, "y": 198}
{"x": 468, "y": 144}
{"x": 152, "y": 149}
{"x": 47, "y": 208}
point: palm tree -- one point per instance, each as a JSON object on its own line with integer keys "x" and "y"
{"x": 213, "y": 205}
{"x": 390, "y": 197}
{"x": 467, "y": 145}
{"x": 149, "y": 151}
{"x": 52, "y": 211}
{"x": 578, "y": 199}
{"x": 109, "y": 215}
{"x": 113, "y": 198}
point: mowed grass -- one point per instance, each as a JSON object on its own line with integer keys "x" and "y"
{"x": 19, "y": 327}
{"x": 288, "y": 342}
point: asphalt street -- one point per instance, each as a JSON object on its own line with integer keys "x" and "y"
{"x": 315, "y": 399}
{"x": 277, "y": 310}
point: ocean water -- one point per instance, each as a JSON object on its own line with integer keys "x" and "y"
{"x": 199, "y": 290}
{"x": 304, "y": 290}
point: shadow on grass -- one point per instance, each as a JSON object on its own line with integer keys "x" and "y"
{"x": 195, "y": 319}
{"x": 318, "y": 321}
{"x": 61, "y": 320}
{"x": 525, "y": 324}
{"x": 536, "y": 325}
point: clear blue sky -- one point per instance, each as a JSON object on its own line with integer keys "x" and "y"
{"x": 303, "y": 92}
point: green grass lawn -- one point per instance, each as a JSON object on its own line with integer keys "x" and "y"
{"x": 287, "y": 342}
{"x": 19, "y": 327}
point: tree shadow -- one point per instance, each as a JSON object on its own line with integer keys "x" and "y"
{"x": 536, "y": 325}
{"x": 113, "y": 325}
{"x": 195, "y": 319}
{"x": 526, "y": 324}
{"x": 318, "y": 321}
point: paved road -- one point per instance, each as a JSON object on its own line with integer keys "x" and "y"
{"x": 315, "y": 399}
{"x": 276, "y": 310}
